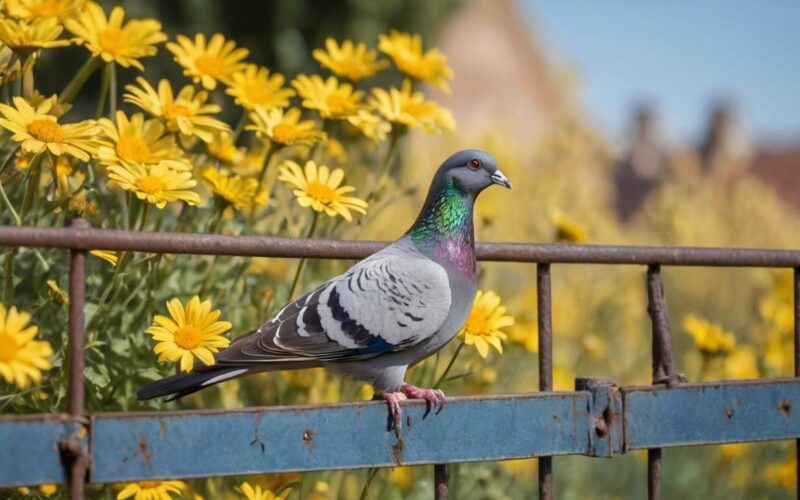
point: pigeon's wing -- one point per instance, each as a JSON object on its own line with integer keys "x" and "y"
{"x": 385, "y": 303}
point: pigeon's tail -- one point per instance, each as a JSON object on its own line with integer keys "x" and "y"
{"x": 184, "y": 384}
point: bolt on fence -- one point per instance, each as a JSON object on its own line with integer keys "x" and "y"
{"x": 598, "y": 418}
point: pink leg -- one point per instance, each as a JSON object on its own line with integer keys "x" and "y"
{"x": 433, "y": 397}
{"x": 395, "y": 411}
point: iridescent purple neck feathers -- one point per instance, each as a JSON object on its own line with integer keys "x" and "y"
{"x": 444, "y": 229}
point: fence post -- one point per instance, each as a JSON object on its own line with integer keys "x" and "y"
{"x": 545, "y": 323}
{"x": 71, "y": 447}
{"x": 796, "y": 300}
{"x": 663, "y": 367}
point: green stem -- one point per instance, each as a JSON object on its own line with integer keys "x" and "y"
{"x": 8, "y": 277}
{"x": 301, "y": 264}
{"x": 112, "y": 89}
{"x": 8, "y": 204}
{"x": 7, "y": 161}
{"x": 449, "y": 366}
{"x": 386, "y": 169}
{"x": 33, "y": 183}
{"x": 371, "y": 473}
{"x": 101, "y": 100}
{"x": 240, "y": 127}
{"x": 264, "y": 167}
{"x": 74, "y": 86}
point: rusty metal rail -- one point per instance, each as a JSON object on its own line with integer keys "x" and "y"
{"x": 597, "y": 419}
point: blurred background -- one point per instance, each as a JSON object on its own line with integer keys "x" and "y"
{"x": 671, "y": 123}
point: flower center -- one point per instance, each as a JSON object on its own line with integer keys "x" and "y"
{"x": 8, "y": 348}
{"x": 149, "y": 485}
{"x": 321, "y": 193}
{"x": 188, "y": 337}
{"x": 112, "y": 40}
{"x": 282, "y": 133}
{"x": 477, "y": 325}
{"x": 211, "y": 66}
{"x": 46, "y": 130}
{"x": 172, "y": 110}
{"x": 47, "y": 8}
{"x": 150, "y": 184}
{"x": 257, "y": 93}
{"x": 133, "y": 148}
{"x": 353, "y": 69}
{"x": 338, "y": 105}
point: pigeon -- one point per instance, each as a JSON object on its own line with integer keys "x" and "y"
{"x": 386, "y": 313}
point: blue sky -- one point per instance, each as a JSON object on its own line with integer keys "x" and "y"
{"x": 680, "y": 55}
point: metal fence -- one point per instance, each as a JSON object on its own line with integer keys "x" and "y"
{"x": 598, "y": 419}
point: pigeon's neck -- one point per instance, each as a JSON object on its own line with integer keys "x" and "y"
{"x": 444, "y": 231}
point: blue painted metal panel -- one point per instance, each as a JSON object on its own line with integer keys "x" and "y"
{"x": 726, "y": 412}
{"x": 171, "y": 444}
{"x": 30, "y": 449}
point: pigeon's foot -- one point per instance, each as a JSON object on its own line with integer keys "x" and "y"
{"x": 395, "y": 411}
{"x": 433, "y": 397}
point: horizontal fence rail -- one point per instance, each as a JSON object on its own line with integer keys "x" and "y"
{"x": 272, "y": 246}
{"x": 598, "y": 419}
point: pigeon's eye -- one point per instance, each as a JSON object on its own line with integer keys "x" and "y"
{"x": 474, "y": 164}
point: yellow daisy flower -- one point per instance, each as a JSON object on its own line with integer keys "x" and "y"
{"x": 284, "y": 127}
{"x": 37, "y": 131}
{"x": 483, "y": 325}
{"x": 238, "y": 191}
{"x": 372, "y": 126}
{"x": 22, "y": 359}
{"x": 109, "y": 39}
{"x": 57, "y": 108}
{"x": 62, "y": 10}
{"x": 349, "y": 60}
{"x": 330, "y": 98}
{"x": 567, "y": 230}
{"x": 406, "y": 107}
{"x": 405, "y": 50}
{"x": 24, "y": 37}
{"x": 136, "y": 140}
{"x": 151, "y": 490}
{"x": 186, "y": 113}
{"x": 709, "y": 338}
{"x": 208, "y": 63}
{"x": 107, "y": 256}
{"x": 191, "y": 331}
{"x": 319, "y": 188}
{"x": 223, "y": 148}
{"x": 256, "y": 493}
{"x": 157, "y": 184}
{"x": 253, "y": 87}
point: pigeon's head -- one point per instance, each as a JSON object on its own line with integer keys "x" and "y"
{"x": 471, "y": 171}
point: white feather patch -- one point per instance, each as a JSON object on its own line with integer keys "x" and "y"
{"x": 224, "y": 376}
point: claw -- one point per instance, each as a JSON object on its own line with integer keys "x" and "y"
{"x": 434, "y": 398}
{"x": 395, "y": 411}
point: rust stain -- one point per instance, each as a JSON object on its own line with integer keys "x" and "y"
{"x": 785, "y": 408}
{"x": 163, "y": 425}
{"x": 145, "y": 452}
{"x": 256, "y": 439}
{"x": 308, "y": 440}
{"x": 397, "y": 450}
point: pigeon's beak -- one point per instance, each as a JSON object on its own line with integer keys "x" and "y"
{"x": 498, "y": 178}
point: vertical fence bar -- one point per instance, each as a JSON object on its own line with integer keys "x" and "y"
{"x": 77, "y": 297}
{"x": 796, "y": 300}
{"x": 441, "y": 479}
{"x": 545, "y": 323}
{"x": 663, "y": 367}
